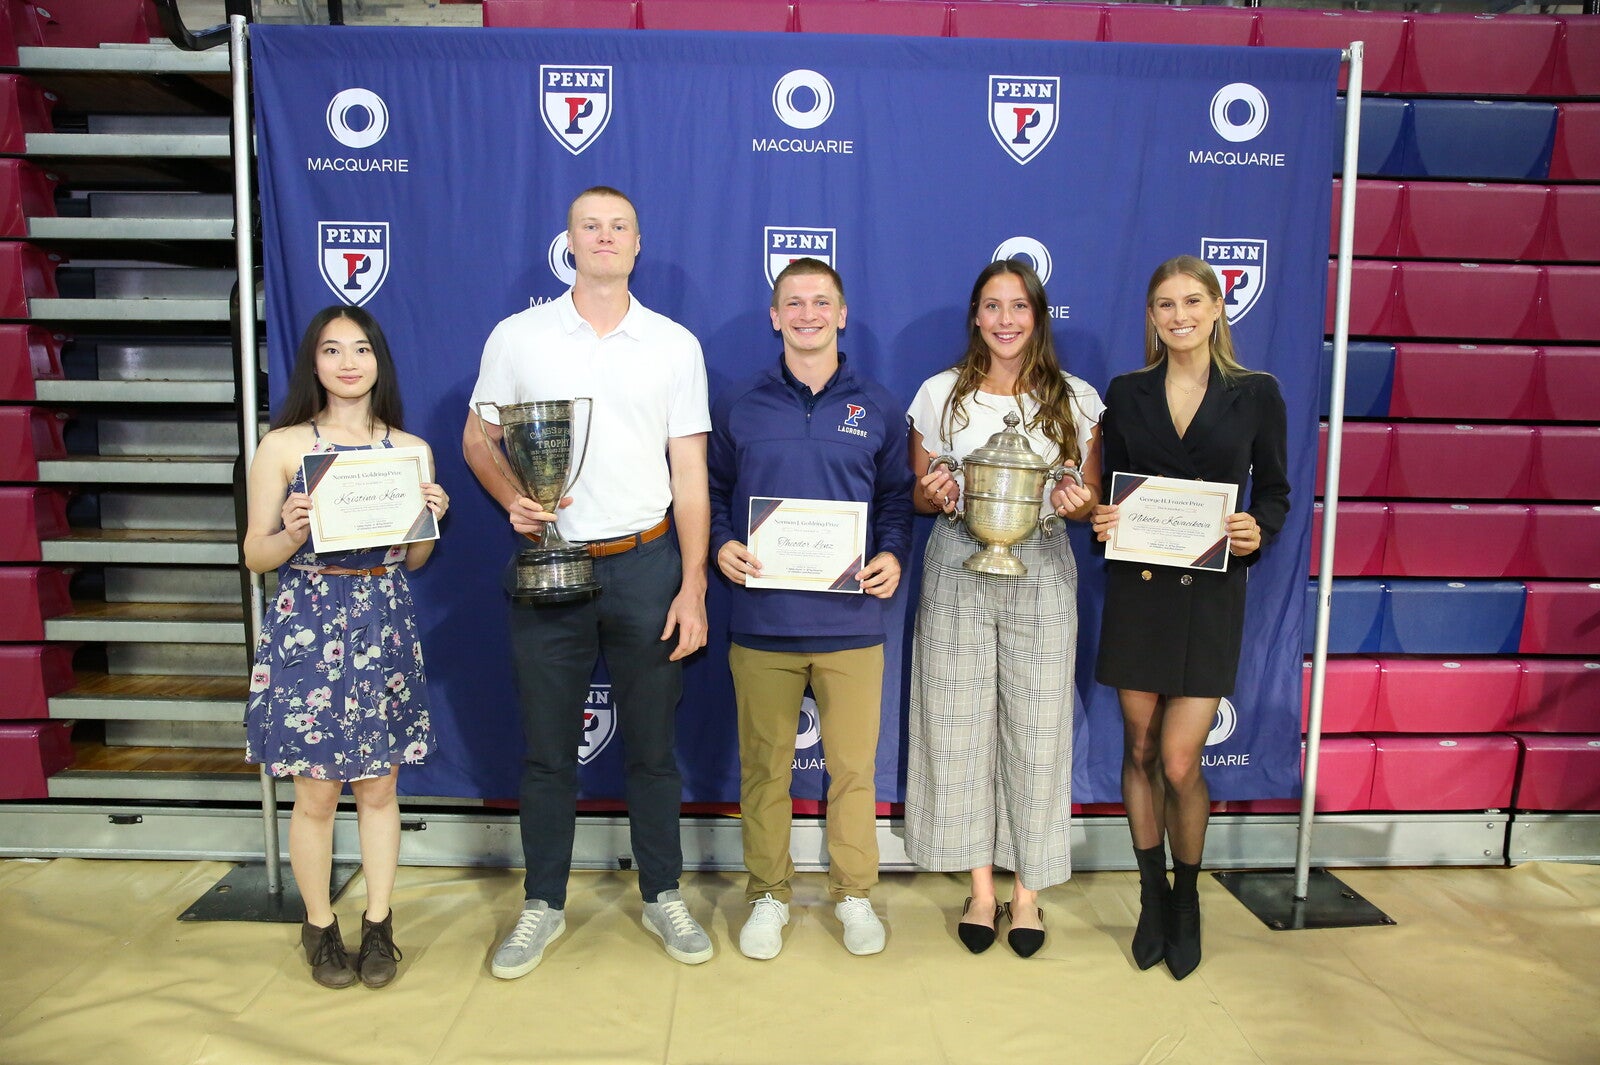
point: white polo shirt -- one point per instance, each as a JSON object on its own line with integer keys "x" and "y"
{"x": 648, "y": 381}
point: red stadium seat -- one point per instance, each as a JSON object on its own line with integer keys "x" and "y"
{"x": 1573, "y": 231}
{"x": 25, "y": 272}
{"x": 1349, "y": 695}
{"x": 28, "y": 434}
{"x": 766, "y": 16}
{"x": 1468, "y": 381}
{"x": 30, "y": 753}
{"x": 1495, "y": 301}
{"x": 562, "y": 14}
{"x": 1382, "y": 34}
{"x": 26, "y": 191}
{"x": 1443, "y": 772}
{"x": 1026, "y": 21}
{"x": 27, "y": 516}
{"x": 30, "y": 674}
{"x": 1559, "y": 773}
{"x": 1481, "y": 55}
{"x": 27, "y": 354}
{"x": 1561, "y": 619}
{"x": 1377, "y": 231}
{"x": 1563, "y": 541}
{"x": 1362, "y": 531}
{"x": 1363, "y": 459}
{"x": 28, "y": 596}
{"x": 1576, "y": 156}
{"x": 24, "y": 108}
{"x": 1558, "y": 695}
{"x": 1577, "y": 70}
{"x": 903, "y": 18}
{"x": 1571, "y": 294}
{"x": 1566, "y": 462}
{"x": 1372, "y": 289}
{"x": 1461, "y": 461}
{"x": 1473, "y": 221}
{"x": 1154, "y": 24}
{"x": 91, "y": 23}
{"x": 1455, "y": 540}
{"x": 1344, "y": 780}
{"x": 1569, "y": 384}
{"x": 1430, "y": 695}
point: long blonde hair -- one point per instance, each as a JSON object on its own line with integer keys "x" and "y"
{"x": 1221, "y": 345}
{"x": 1040, "y": 376}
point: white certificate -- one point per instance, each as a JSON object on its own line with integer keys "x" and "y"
{"x": 368, "y": 498}
{"x": 814, "y": 545}
{"x": 1167, "y": 521}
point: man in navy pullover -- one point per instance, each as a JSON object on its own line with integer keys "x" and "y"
{"x": 809, "y": 428}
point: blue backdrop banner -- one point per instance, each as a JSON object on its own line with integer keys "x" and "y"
{"x": 424, "y": 174}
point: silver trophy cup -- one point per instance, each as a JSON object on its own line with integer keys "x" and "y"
{"x": 1005, "y": 481}
{"x": 538, "y": 441}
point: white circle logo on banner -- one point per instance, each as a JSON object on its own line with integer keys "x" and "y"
{"x": 810, "y": 730}
{"x": 789, "y": 99}
{"x": 1029, "y": 251}
{"x": 1255, "y": 121}
{"x": 340, "y": 110}
{"x": 561, "y": 263}
{"x": 1223, "y": 724}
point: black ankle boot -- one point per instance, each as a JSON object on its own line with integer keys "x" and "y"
{"x": 379, "y": 957}
{"x": 1183, "y": 921}
{"x": 330, "y": 962}
{"x": 1149, "y": 936}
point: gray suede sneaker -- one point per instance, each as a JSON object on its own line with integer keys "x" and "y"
{"x": 537, "y": 927}
{"x": 668, "y": 919}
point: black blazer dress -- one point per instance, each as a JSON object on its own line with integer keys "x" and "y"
{"x": 1178, "y": 631}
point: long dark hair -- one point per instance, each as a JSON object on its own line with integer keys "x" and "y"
{"x": 1041, "y": 371}
{"x": 306, "y": 397}
{"x": 1220, "y": 345}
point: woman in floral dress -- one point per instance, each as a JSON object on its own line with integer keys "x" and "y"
{"x": 337, "y": 693}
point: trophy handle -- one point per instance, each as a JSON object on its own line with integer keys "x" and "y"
{"x": 1058, "y": 472}
{"x": 588, "y": 423}
{"x": 953, "y": 464}
{"x": 494, "y": 448}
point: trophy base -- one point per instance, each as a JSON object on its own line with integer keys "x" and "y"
{"x": 551, "y": 576}
{"x": 996, "y": 561}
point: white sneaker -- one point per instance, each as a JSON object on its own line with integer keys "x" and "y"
{"x": 762, "y": 935}
{"x": 863, "y": 932}
{"x": 537, "y": 927}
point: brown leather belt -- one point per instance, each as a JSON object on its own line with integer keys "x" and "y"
{"x": 341, "y": 571}
{"x": 602, "y": 548}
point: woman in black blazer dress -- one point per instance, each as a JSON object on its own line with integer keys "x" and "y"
{"x": 1170, "y": 638}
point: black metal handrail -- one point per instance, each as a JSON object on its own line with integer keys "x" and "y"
{"x": 180, "y": 35}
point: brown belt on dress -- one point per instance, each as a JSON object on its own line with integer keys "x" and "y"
{"x": 602, "y": 548}
{"x": 341, "y": 571}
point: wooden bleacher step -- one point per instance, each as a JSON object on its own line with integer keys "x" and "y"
{"x": 132, "y": 697}
{"x": 182, "y": 546}
{"x": 194, "y": 622}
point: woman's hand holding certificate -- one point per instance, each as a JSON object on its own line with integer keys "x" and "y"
{"x": 368, "y": 498}
{"x": 1168, "y": 521}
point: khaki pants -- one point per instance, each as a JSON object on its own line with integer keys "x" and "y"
{"x": 769, "y": 686}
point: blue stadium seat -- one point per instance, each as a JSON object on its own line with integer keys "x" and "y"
{"x": 1026, "y": 21}
{"x": 1472, "y": 221}
{"x": 1155, "y": 24}
{"x": 1377, "y": 230}
{"x": 562, "y": 14}
{"x": 1563, "y": 618}
{"x": 1494, "y": 382}
{"x": 1573, "y": 231}
{"x": 1558, "y": 695}
{"x": 1368, "y": 379}
{"x": 764, "y": 16}
{"x": 1456, "y": 540}
{"x": 1576, "y": 152}
{"x": 1452, "y": 617}
{"x": 1568, "y": 384}
{"x": 1563, "y": 541}
{"x": 1481, "y": 55}
{"x": 1443, "y": 772}
{"x": 1386, "y": 137}
{"x": 1566, "y": 462}
{"x": 1494, "y": 301}
{"x": 1349, "y": 695}
{"x": 1461, "y": 461}
{"x": 898, "y": 17}
{"x": 1382, "y": 33}
{"x": 1363, "y": 532}
{"x": 1446, "y": 695}
{"x": 1505, "y": 139}
{"x": 1355, "y": 621}
{"x": 1363, "y": 459}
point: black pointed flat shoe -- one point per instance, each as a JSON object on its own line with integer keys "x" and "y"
{"x": 1027, "y": 941}
{"x": 979, "y": 937}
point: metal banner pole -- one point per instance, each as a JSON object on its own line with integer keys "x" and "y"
{"x": 1325, "y": 902}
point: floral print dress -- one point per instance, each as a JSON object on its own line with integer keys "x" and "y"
{"x": 337, "y": 691}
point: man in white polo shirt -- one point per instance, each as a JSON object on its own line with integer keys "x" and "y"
{"x": 646, "y": 455}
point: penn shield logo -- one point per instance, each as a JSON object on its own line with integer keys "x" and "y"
{"x": 785, "y": 244}
{"x": 357, "y": 118}
{"x": 561, "y": 262}
{"x": 1028, "y": 250}
{"x": 853, "y": 413}
{"x": 1239, "y": 112}
{"x": 1241, "y": 266}
{"x": 599, "y": 724}
{"x": 575, "y": 102}
{"x": 809, "y": 732}
{"x": 1023, "y": 109}
{"x": 803, "y": 99}
{"x": 1222, "y": 726}
{"x": 354, "y": 257}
